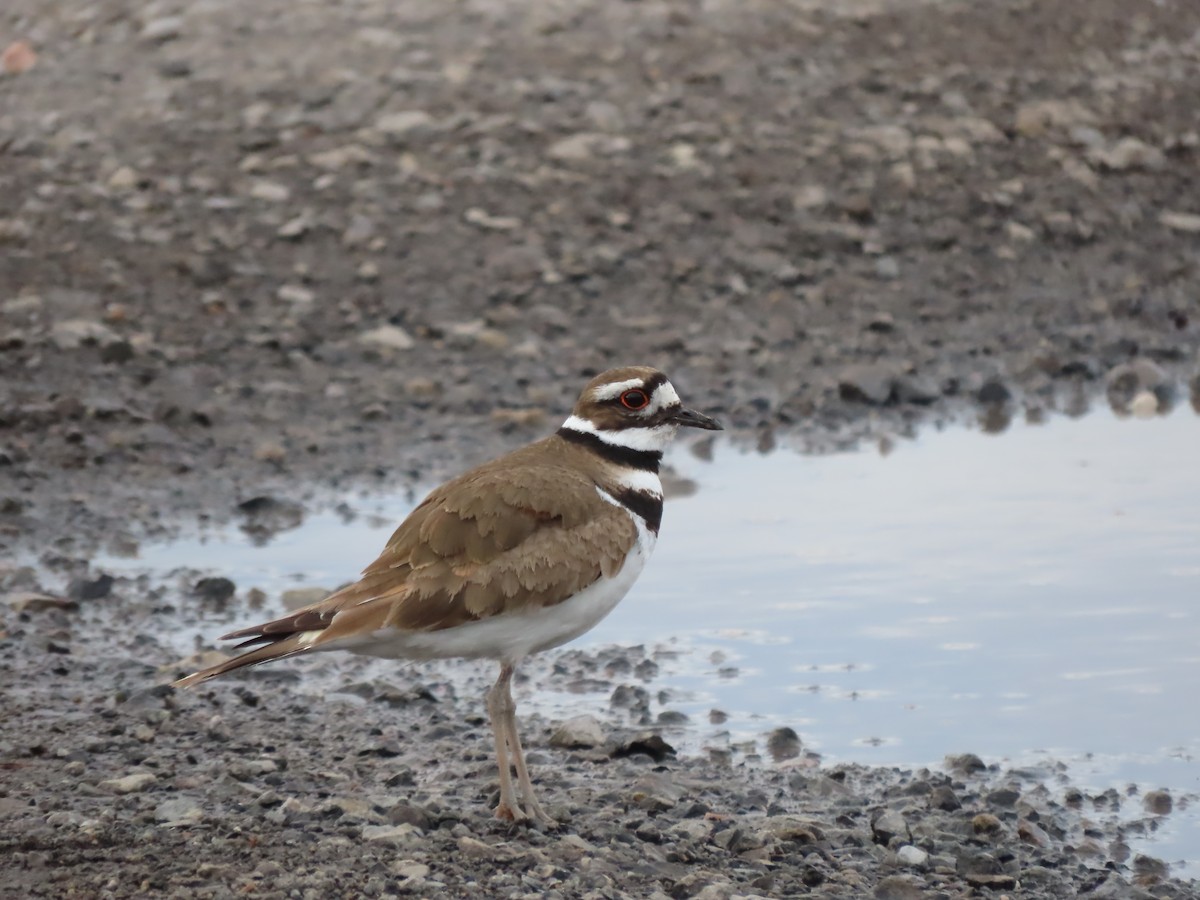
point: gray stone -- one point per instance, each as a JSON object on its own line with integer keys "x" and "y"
{"x": 783, "y": 743}
{"x": 993, "y": 392}
{"x": 965, "y": 763}
{"x": 408, "y": 814}
{"x": 1128, "y": 382}
{"x": 656, "y": 792}
{"x": 889, "y": 824}
{"x": 97, "y": 588}
{"x": 71, "y": 334}
{"x": 918, "y": 389}
{"x": 867, "y": 383}
{"x": 214, "y": 590}
{"x": 1158, "y": 803}
{"x": 793, "y": 828}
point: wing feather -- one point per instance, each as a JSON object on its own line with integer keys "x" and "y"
{"x": 499, "y": 539}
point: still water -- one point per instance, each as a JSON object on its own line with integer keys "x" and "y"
{"x": 1027, "y": 595}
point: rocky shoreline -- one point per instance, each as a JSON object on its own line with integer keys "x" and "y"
{"x": 118, "y": 785}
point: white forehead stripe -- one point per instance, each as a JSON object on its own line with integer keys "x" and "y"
{"x": 655, "y": 439}
{"x": 616, "y": 389}
{"x": 663, "y": 397}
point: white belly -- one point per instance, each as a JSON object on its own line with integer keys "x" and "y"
{"x": 510, "y": 637}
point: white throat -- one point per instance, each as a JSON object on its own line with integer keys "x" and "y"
{"x": 656, "y": 438}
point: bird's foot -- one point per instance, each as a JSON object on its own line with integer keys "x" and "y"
{"x": 518, "y": 816}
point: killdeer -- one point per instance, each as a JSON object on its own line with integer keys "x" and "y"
{"x": 519, "y": 555}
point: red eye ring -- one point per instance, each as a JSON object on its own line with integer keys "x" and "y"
{"x": 635, "y": 399}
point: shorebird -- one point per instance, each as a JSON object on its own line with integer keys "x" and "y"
{"x": 516, "y": 556}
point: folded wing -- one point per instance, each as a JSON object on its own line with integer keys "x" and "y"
{"x": 493, "y": 542}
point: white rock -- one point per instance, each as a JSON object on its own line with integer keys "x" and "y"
{"x": 245, "y": 769}
{"x": 167, "y": 28}
{"x": 1034, "y": 119}
{"x": 694, "y": 829}
{"x": 380, "y": 37}
{"x": 1144, "y": 405}
{"x": 403, "y": 123}
{"x": 177, "y": 812}
{"x": 130, "y": 784}
{"x": 390, "y": 337}
{"x": 14, "y": 230}
{"x": 124, "y": 178}
{"x": 1128, "y": 153}
{"x": 295, "y": 294}
{"x": 24, "y": 303}
{"x": 295, "y": 228}
{"x": 579, "y": 731}
{"x": 271, "y": 191}
{"x": 909, "y": 855}
{"x": 588, "y": 145}
{"x": 410, "y": 870}
{"x": 684, "y": 156}
{"x": 604, "y": 115}
{"x": 977, "y": 130}
{"x": 486, "y": 220}
{"x": 1021, "y": 234}
{"x": 339, "y": 157}
{"x": 894, "y": 140}
{"x": 810, "y": 196}
{"x": 254, "y": 115}
{"x": 1188, "y": 223}
{"x": 392, "y": 834}
{"x": 718, "y": 890}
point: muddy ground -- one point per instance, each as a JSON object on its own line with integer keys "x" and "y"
{"x": 278, "y": 249}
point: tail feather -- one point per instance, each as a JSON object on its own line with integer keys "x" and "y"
{"x": 302, "y": 631}
{"x": 288, "y": 646}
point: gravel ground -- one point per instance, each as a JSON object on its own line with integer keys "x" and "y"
{"x": 252, "y": 254}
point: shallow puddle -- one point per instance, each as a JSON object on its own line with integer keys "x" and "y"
{"x": 1027, "y": 596}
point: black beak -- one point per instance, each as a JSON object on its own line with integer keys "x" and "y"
{"x": 689, "y": 418}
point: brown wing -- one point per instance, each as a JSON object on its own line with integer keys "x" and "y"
{"x": 494, "y": 540}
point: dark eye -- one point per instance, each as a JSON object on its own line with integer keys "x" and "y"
{"x": 635, "y": 399}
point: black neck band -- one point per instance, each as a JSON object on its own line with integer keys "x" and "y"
{"x": 646, "y": 506}
{"x": 645, "y": 460}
